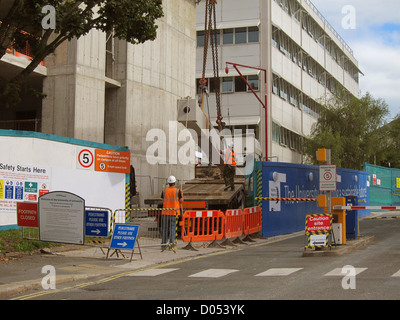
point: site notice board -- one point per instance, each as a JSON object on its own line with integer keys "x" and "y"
{"x": 61, "y": 217}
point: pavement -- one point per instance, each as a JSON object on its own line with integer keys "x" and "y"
{"x": 74, "y": 263}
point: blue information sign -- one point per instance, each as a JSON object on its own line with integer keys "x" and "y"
{"x": 124, "y": 236}
{"x": 96, "y": 223}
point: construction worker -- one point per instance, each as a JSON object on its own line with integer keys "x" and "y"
{"x": 172, "y": 198}
{"x": 229, "y": 167}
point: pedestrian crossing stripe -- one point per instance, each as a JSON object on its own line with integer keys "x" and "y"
{"x": 337, "y": 272}
{"x": 152, "y": 272}
{"x": 217, "y": 273}
{"x": 212, "y": 273}
{"x": 278, "y": 272}
{"x": 397, "y": 274}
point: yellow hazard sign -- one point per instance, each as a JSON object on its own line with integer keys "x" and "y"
{"x": 1, "y": 189}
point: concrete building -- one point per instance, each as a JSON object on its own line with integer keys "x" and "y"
{"x": 305, "y": 60}
{"x": 106, "y": 90}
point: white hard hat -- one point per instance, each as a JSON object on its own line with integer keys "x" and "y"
{"x": 171, "y": 179}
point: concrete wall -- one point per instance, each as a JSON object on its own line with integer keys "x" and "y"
{"x": 74, "y": 106}
{"x": 142, "y": 93}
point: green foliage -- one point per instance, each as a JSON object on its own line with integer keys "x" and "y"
{"x": 389, "y": 145}
{"x": 349, "y": 127}
{"x": 12, "y": 241}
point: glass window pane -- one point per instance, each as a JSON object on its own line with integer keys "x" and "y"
{"x": 253, "y": 82}
{"x": 253, "y": 34}
{"x": 228, "y": 36}
{"x": 227, "y": 84}
{"x": 240, "y": 35}
{"x": 218, "y": 34}
{"x": 212, "y": 82}
{"x": 240, "y": 85}
{"x": 200, "y": 38}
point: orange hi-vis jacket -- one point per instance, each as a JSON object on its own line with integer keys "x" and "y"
{"x": 171, "y": 200}
{"x": 230, "y": 157}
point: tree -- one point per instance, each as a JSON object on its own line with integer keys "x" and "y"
{"x": 349, "y": 127}
{"x": 131, "y": 20}
{"x": 389, "y": 151}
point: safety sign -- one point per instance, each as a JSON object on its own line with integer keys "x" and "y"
{"x": 318, "y": 230}
{"x": 327, "y": 178}
{"x": 27, "y": 214}
{"x": 124, "y": 236}
{"x": 96, "y": 223}
{"x": 318, "y": 223}
{"x": 85, "y": 158}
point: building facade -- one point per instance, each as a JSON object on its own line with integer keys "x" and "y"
{"x": 305, "y": 61}
{"x": 103, "y": 89}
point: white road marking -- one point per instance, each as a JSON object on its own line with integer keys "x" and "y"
{"x": 152, "y": 272}
{"x": 397, "y": 274}
{"x": 337, "y": 272}
{"x": 213, "y": 273}
{"x": 278, "y": 272}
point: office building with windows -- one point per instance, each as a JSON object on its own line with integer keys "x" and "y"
{"x": 303, "y": 56}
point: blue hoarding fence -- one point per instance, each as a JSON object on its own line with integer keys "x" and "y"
{"x": 293, "y": 182}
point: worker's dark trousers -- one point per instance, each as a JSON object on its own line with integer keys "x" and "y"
{"x": 168, "y": 230}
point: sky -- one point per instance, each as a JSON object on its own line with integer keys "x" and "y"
{"x": 372, "y": 30}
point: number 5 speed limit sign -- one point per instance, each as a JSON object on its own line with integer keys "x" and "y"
{"x": 85, "y": 158}
{"x": 327, "y": 178}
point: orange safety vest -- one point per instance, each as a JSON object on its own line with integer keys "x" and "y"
{"x": 171, "y": 200}
{"x": 230, "y": 157}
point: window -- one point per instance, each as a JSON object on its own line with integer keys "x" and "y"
{"x": 284, "y": 4}
{"x": 240, "y": 85}
{"x": 253, "y": 34}
{"x": 294, "y": 93}
{"x": 213, "y": 83}
{"x": 227, "y": 84}
{"x": 200, "y": 38}
{"x": 218, "y": 35}
{"x": 275, "y": 86}
{"x": 228, "y": 36}
{"x": 253, "y": 82}
{"x": 240, "y": 35}
{"x": 275, "y": 132}
{"x": 283, "y": 92}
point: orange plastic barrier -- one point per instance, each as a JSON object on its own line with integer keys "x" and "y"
{"x": 205, "y": 225}
{"x": 252, "y": 220}
{"x": 233, "y": 223}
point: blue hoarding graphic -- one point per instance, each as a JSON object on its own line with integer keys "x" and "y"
{"x": 96, "y": 223}
{"x": 124, "y": 236}
{"x": 286, "y": 180}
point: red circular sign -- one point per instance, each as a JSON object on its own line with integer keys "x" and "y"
{"x": 327, "y": 176}
{"x": 85, "y": 158}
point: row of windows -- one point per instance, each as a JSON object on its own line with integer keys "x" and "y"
{"x": 280, "y": 87}
{"x": 232, "y": 36}
{"x": 294, "y": 96}
{"x": 294, "y": 52}
{"x": 287, "y": 138}
{"x": 232, "y": 84}
{"x": 293, "y": 8}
